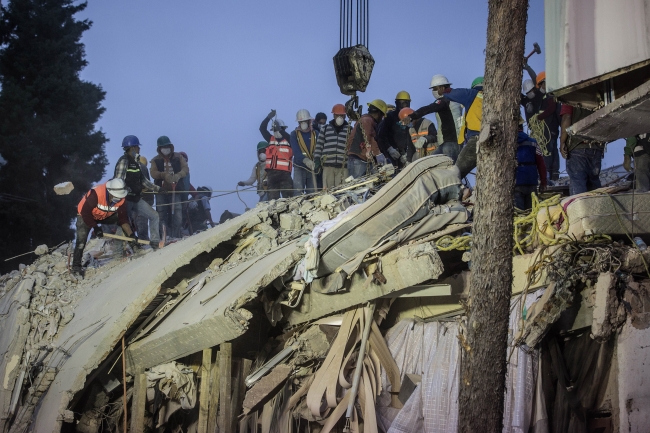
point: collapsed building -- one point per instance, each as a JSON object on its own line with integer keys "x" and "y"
{"x": 340, "y": 311}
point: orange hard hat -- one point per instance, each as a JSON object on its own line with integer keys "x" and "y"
{"x": 541, "y": 77}
{"x": 339, "y": 109}
{"x": 407, "y": 111}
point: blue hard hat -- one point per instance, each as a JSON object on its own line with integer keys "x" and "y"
{"x": 129, "y": 141}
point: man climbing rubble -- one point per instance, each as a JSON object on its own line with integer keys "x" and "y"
{"x": 472, "y": 100}
{"x": 362, "y": 144}
{"x": 167, "y": 169}
{"x": 303, "y": 143}
{"x": 423, "y": 135}
{"x": 449, "y": 115}
{"x": 330, "y": 149}
{"x": 104, "y": 204}
{"x": 199, "y": 210}
{"x": 638, "y": 147}
{"x": 392, "y": 136}
{"x": 258, "y": 175}
{"x": 531, "y": 169}
{"x": 279, "y": 158}
{"x": 129, "y": 169}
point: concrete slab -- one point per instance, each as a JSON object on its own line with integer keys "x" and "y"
{"x": 194, "y": 326}
{"x": 111, "y": 308}
{"x": 633, "y": 353}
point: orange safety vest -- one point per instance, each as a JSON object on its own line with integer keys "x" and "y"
{"x": 104, "y": 208}
{"x": 279, "y": 155}
{"x": 423, "y": 131}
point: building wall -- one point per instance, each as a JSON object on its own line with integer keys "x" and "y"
{"x": 633, "y": 356}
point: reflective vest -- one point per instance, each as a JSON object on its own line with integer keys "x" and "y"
{"x": 279, "y": 155}
{"x": 104, "y": 207}
{"x": 473, "y": 117}
{"x": 526, "y": 164}
{"x": 422, "y": 131}
{"x": 133, "y": 178}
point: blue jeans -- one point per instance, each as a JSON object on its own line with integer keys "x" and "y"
{"x": 466, "y": 161}
{"x": 145, "y": 214}
{"x": 164, "y": 208}
{"x": 450, "y": 149}
{"x": 303, "y": 183}
{"x": 583, "y": 167}
{"x": 523, "y": 196}
{"x": 357, "y": 167}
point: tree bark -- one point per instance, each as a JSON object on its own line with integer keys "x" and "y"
{"x": 484, "y": 343}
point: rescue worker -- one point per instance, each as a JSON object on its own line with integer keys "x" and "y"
{"x": 199, "y": 210}
{"x": 583, "y": 157}
{"x": 104, "y": 204}
{"x": 303, "y": 144}
{"x": 129, "y": 169}
{"x": 258, "y": 175}
{"x": 540, "y": 106}
{"x": 393, "y": 138}
{"x": 319, "y": 121}
{"x": 423, "y": 135}
{"x": 167, "y": 170}
{"x": 362, "y": 144}
{"x": 531, "y": 170}
{"x": 141, "y": 221}
{"x": 638, "y": 147}
{"x": 472, "y": 100}
{"x": 449, "y": 115}
{"x": 330, "y": 149}
{"x": 279, "y": 157}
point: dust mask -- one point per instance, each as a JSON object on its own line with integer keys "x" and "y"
{"x": 277, "y": 134}
{"x": 530, "y": 95}
{"x": 436, "y": 94}
{"x": 165, "y": 151}
{"x": 304, "y": 126}
{"x": 261, "y": 157}
{"x": 543, "y": 90}
{"x": 339, "y": 121}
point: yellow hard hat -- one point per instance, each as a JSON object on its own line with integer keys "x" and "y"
{"x": 143, "y": 160}
{"x": 379, "y": 104}
{"x": 403, "y": 95}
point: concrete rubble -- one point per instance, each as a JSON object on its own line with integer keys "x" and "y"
{"x": 244, "y": 326}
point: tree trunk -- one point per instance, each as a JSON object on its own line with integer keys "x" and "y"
{"x": 483, "y": 367}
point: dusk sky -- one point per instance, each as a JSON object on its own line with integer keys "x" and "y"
{"x": 206, "y": 73}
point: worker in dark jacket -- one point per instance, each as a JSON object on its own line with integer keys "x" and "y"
{"x": 167, "y": 170}
{"x": 279, "y": 158}
{"x": 531, "y": 170}
{"x": 104, "y": 204}
{"x": 448, "y": 114}
{"x": 141, "y": 221}
{"x": 129, "y": 169}
{"x": 330, "y": 149}
{"x": 362, "y": 144}
{"x": 393, "y": 138}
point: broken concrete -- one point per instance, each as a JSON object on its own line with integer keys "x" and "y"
{"x": 608, "y": 313}
{"x": 266, "y": 388}
{"x": 637, "y": 296}
{"x": 63, "y": 188}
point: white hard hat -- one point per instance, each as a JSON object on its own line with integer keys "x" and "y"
{"x": 303, "y": 115}
{"x": 528, "y": 86}
{"x": 439, "y": 80}
{"x": 117, "y": 188}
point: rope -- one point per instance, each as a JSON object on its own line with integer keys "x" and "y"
{"x": 448, "y": 243}
{"x": 240, "y": 199}
{"x": 539, "y": 130}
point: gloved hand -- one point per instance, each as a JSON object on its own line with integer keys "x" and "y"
{"x": 420, "y": 142}
{"x": 403, "y": 159}
{"x": 394, "y": 153}
{"x": 381, "y": 159}
{"x": 241, "y": 183}
{"x": 308, "y": 163}
{"x": 176, "y": 177}
{"x": 317, "y": 164}
{"x": 98, "y": 232}
{"x": 168, "y": 178}
{"x": 406, "y": 120}
{"x": 271, "y": 114}
{"x": 627, "y": 163}
{"x": 134, "y": 241}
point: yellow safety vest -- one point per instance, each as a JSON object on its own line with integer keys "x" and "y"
{"x": 472, "y": 118}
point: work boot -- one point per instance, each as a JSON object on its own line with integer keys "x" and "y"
{"x": 154, "y": 245}
{"x": 76, "y": 268}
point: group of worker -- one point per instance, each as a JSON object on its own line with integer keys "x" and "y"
{"x": 127, "y": 200}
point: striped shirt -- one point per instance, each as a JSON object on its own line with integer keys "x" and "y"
{"x": 331, "y": 144}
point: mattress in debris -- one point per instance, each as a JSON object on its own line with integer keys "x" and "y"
{"x": 611, "y": 214}
{"x": 433, "y": 180}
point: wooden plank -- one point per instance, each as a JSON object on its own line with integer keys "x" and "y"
{"x": 236, "y": 376}
{"x": 204, "y": 392}
{"x": 214, "y": 396}
{"x": 138, "y": 403}
{"x": 225, "y": 387}
{"x": 239, "y": 389}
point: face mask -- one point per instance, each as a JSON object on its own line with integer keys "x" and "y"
{"x": 304, "y": 126}
{"x": 339, "y": 121}
{"x": 165, "y": 151}
{"x": 436, "y": 94}
{"x": 261, "y": 157}
{"x": 530, "y": 95}
{"x": 543, "y": 90}
{"x": 277, "y": 135}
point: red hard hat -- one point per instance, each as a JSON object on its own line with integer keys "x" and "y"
{"x": 339, "y": 109}
{"x": 407, "y": 111}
